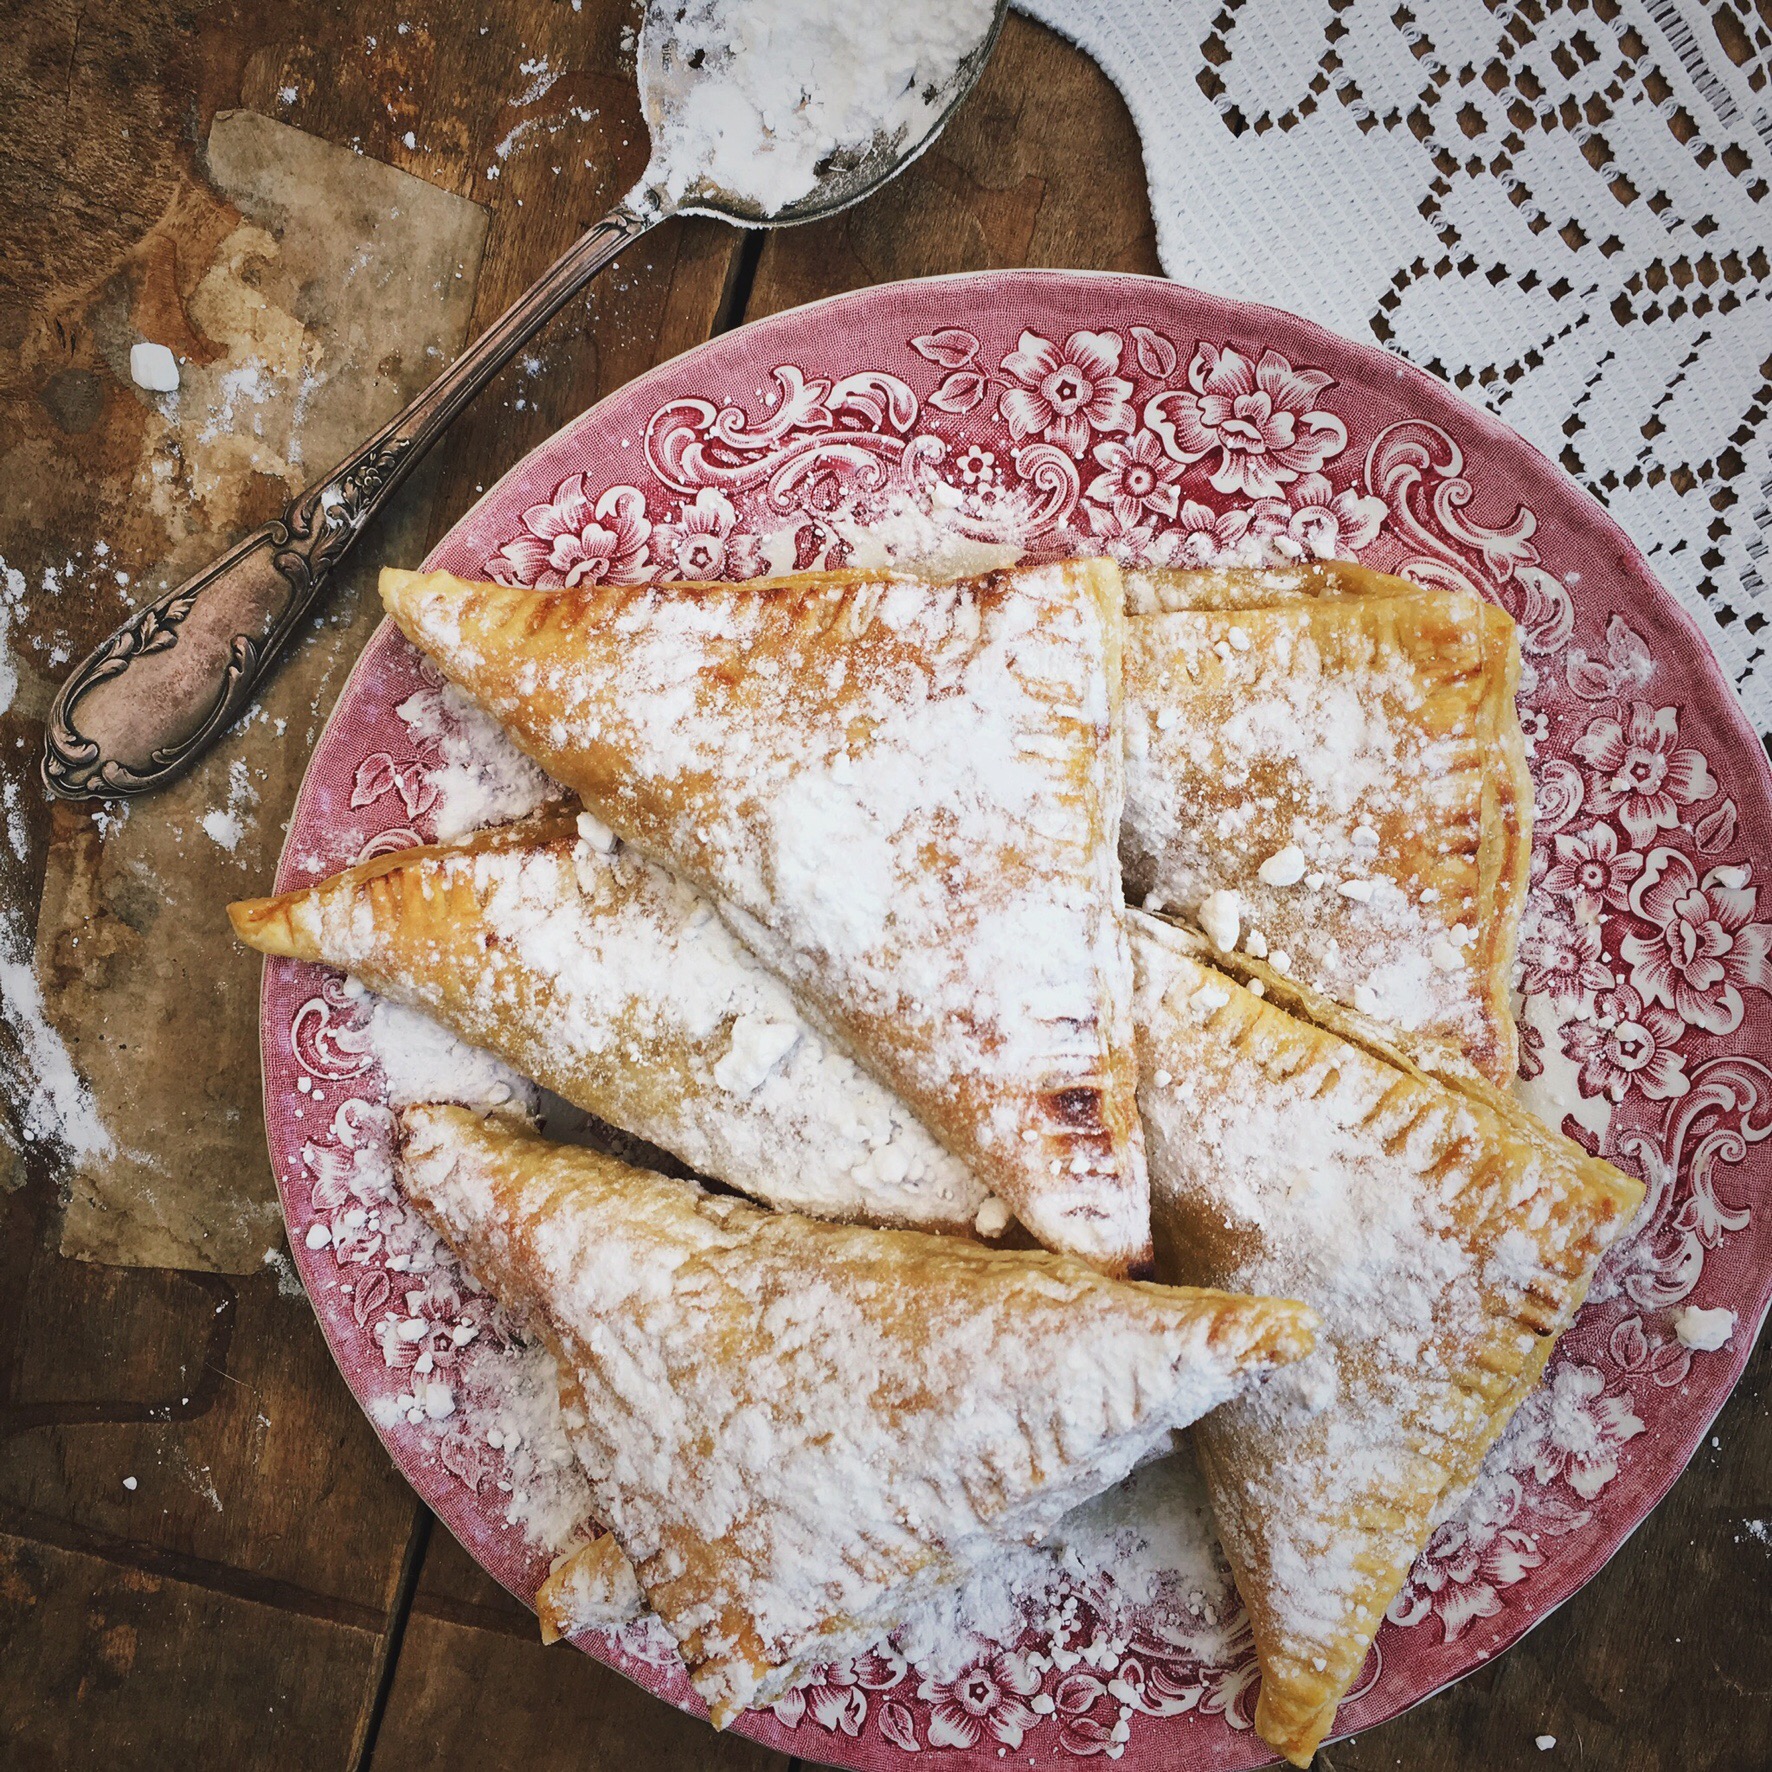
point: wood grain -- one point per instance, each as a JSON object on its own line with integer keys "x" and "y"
{"x": 270, "y": 1594}
{"x": 109, "y": 1666}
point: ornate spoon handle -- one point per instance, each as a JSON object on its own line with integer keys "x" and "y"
{"x": 149, "y": 699}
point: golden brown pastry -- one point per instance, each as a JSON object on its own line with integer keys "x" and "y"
{"x": 795, "y": 1429}
{"x": 1335, "y": 778}
{"x": 1156, "y": 590}
{"x": 903, "y": 797}
{"x": 611, "y": 982}
{"x": 592, "y": 1586}
{"x": 1446, "y": 1239}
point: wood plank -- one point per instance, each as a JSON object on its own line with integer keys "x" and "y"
{"x": 219, "y": 1399}
{"x": 259, "y": 1488}
{"x": 110, "y": 1666}
{"x": 264, "y": 1543}
{"x": 453, "y": 1587}
{"x": 1040, "y": 166}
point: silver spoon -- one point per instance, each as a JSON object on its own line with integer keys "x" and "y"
{"x": 150, "y": 699}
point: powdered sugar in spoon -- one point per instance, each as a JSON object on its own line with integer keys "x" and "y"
{"x": 762, "y": 112}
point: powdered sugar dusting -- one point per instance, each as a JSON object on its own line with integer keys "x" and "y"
{"x": 462, "y": 1375}
{"x": 1336, "y": 773}
{"x": 56, "y": 1107}
{"x": 942, "y": 1430}
{"x": 759, "y": 97}
{"x": 614, "y": 984}
{"x": 1140, "y": 1559}
{"x": 479, "y": 777}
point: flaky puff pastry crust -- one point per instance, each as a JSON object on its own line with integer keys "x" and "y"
{"x": 903, "y": 796}
{"x": 612, "y": 982}
{"x": 796, "y": 1430}
{"x": 1371, "y": 725}
{"x": 1445, "y": 1237}
{"x": 592, "y": 1587}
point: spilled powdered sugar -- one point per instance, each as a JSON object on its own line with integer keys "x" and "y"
{"x": 55, "y": 1108}
{"x": 12, "y": 597}
{"x": 481, "y": 1396}
{"x": 225, "y": 825}
{"x": 479, "y": 776}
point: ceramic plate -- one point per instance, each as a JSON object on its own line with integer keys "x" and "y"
{"x": 1075, "y": 412}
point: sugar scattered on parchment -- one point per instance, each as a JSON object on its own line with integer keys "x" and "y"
{"x": 222, "y": 828}
{"x": 288, "y": 1280}
{"x": 12, "y": 599}
{"x": 55, "y": 1106}
{"x": 226, "y": 825}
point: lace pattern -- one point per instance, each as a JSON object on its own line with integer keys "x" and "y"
{"x": 1561, "y": 208}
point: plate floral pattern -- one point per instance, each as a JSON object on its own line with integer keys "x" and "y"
{"x": 1064, "y": 413}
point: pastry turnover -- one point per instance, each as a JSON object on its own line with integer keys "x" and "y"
{"x": 1333, "y": 773}
{"x": 1446, "y": 1239}
{"x": 612, "y": 983}
{"x": 904, "y": 798}
{"x": 796, "y": 1430}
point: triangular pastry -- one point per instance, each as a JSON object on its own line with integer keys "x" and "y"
{"x": 1336, "y": 777}
{"x": 797, "y": 1430}
{"x": 1446, "y": 1239}
{"x": 903, "y": 796}
{"x": 611, "y": 982}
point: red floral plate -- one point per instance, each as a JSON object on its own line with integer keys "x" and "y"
{"x": 1082, "y": 412}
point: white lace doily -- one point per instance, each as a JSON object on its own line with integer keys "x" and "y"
{"x": 1562, "y": 208}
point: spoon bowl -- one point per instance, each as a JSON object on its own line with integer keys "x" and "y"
{"x": 847, "y": 171}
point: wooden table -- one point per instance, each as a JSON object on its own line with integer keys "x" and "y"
{"x": 270, "y": 1593}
